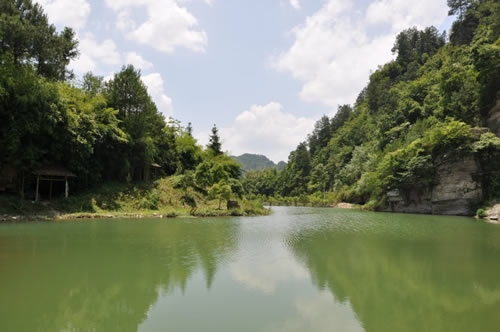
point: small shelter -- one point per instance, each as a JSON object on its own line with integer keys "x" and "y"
{"x": 51, "y": 174}
{"x": 155, "y": 169}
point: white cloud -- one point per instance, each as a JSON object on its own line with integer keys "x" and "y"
{"x": 320, "y": 313}
{"x": 209, "y": 2}
{"x": 402, "y": 14}
{"x": 156, "y": 89}
{"x": 138, "y": 61}
{"x": 271, "y": 263}
{"x": 167, "y": 26}
{"x": 266, "y": 129}
{"x": 337, "y": 47}
{"x": 124, "y": 21}
{"x": 295, "y": 4}
{"x": 71, "y": 13}
{"x": 94, "y": 54}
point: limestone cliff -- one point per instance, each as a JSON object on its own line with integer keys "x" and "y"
{"x": 457, "y": 191}
{"x": 494, "y": 118}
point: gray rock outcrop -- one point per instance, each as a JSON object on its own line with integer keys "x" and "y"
{"x": 494, "y": 119}
{"x": 457, "y": 192}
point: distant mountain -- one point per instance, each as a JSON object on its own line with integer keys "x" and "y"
{"x": 251, "y": 162}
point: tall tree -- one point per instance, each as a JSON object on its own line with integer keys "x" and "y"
{"x": 414, "y": 47}
{"x": 27, "y": 36}
{"x": 458, "y": 7}
{"x": 141, "y": 120}
{"x": 214, "y": 143}
{"x": 92, "y": 84}
{"x": 320, "y": 136}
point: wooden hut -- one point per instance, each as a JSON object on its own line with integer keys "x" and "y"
{"x": 52, "y": 174}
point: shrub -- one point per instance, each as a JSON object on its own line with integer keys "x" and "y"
{"x": 481, "y": 213}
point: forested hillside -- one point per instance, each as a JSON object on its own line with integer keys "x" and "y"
{"x": 252, "y": 162}
{"x": 421, "y": 136}
{"x": 101, "y": 131}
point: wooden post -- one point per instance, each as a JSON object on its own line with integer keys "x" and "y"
{"x": 37, "y": 186}
{"x": 66, "y": 188}
{"x": 22, "y": 187}
{"x": 50, "y": 188}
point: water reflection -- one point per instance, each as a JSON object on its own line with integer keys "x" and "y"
{"x": 103, "y": 277}
{"x": 296, "y": 270}
{"x": 319, "y": 313}
{"x": 264, "y": 262}
{"x": 407, "y": 275}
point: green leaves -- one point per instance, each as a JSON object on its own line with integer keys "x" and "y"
{"x": 27, "y": 36}
{"x": 214, "y": 144}
{"x": 216, "y": 169}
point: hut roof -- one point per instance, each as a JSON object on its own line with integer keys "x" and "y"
{"x": 54, "y": 170}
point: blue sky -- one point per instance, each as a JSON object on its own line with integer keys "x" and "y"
{"x": 263, "y": 71}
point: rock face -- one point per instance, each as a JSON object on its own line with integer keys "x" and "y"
{"x": 456, "y": 193}
{"x": 494, "y": 119}
{"x": 493, "y": 214}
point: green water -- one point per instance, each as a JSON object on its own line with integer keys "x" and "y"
{"x": 297, "y": 270}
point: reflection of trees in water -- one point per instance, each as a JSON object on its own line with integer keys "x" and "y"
{"x": 405, "y": 284}
{"x": 104, "y": 277}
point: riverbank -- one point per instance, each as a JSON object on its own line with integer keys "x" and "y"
{"x": 144, "y": 200}
{"x": 51, "y": 214}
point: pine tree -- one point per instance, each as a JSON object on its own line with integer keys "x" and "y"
{"x": 214, "y": 142}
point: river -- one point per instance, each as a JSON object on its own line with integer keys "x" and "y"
{"x": 299, "y": 269}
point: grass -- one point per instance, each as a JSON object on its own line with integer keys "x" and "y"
{"x": 158, "y": 199}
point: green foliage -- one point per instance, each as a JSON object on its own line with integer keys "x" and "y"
{"x": 216, "y": 169}
{"x": 29, "y": 39}
{"x": 260, "y": 182}
{"x": 458, "y": 7}
{"x": 220, "y": 191}
{"x": 416, "y": 112}
{"x": 414, "y": 48}
{"x": 295, "y": 177}
{"x": 488, "y": 144}
{"x": 481, "y": 213}
{"x": 214, "y": 144}
{"x": 487, "y": 150}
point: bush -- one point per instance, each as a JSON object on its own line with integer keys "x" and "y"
{"x": 481, "y": 213}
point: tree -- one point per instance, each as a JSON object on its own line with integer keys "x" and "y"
{"x": 189, "y": 152}
{"x": 320, "y": 136}
{"x": 414, "y": 47}
{"x": 220, "y": 191}
{"x": 458, "y": 7}
{"x": 214, "y": 144}
{"x": 295, "y": 176}
{"x": 216, "y": 169}
{"x": 90, "y": 137}
{"x": 189, "y": 129}
{"x": 92, "y": 84}
{"x": 29, "y": 116}
{"x": 261, "y": 182}
{"x": 319, "y": 178}
{"x": 140, "y": 119}
{"x": 27, "y": 36}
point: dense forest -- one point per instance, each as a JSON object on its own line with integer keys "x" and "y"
{"x": 434, "y": 105}
{"x": 102, "y": 131}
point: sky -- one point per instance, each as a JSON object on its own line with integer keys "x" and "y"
{"x": 262, "y": 71}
